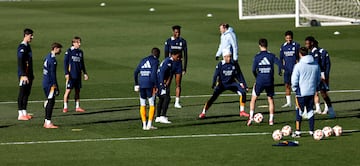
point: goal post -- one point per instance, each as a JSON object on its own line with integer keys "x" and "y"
{"x": 305, "y": 12}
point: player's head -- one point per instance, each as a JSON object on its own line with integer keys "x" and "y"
{"x": 56, "y": 48}
{"x": 176, "y": 55}
{"x": 176, "y": 31}
{"x": 226, "y": 53}
{"x": 223, "y": 27}
{"x": 76, "y": 42}
{"x": 28, "y": 35}
{"x": 303, "y": 51}
{"x": 309, "y": 42}
{"x": 155, "y": 52}
{"x": 263, "y": 43}
{"x": 289, "y": 36}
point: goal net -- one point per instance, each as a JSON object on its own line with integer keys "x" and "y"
{"x": 305, "y": 12}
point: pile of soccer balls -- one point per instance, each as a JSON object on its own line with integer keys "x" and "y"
{"x": 327, "y": 132}
{"x": 318, "y": 134}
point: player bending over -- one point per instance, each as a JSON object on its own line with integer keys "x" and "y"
{"x": 145, "y": 76}
{"x": 227, "y": 77}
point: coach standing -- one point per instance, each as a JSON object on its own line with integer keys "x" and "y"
{"x": 304, "y": 81}
{"x": 25, "y": 73}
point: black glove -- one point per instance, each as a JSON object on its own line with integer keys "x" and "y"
{"x": 217, "y": 58}
{"x": 57, "y": 92}
{"x": 212, "y": 86}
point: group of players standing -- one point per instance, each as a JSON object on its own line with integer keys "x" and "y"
{"x": 312, "y": 76}
{"x": 74, "y": 67}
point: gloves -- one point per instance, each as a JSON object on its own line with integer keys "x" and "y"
{"x": 57, "y": 92}
{"x": 217, "y": 58}
{"x": 136, "y": 88}
{"x": 163, "y": 92}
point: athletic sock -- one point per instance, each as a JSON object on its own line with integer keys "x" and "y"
{"x": 47, "y": 121}
{"x": 288, "y": 99}
{"x": 77, "y": 104}
{"x": 251, "y": 114}
{"x": 151, "y": 114}
{"x": 24, "y": 112}
{"x": 317, "y": 105}
{"x": 271, "y": 117}
{"x": 143, "y": 113}
{"x": 177, "y": 100}
{"x": 65, "y": 105}
{"x": 20, "y": 113}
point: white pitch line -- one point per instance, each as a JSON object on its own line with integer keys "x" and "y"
{"x": 146, "y": 138}
{"x": 134, "y": 138}
{"x": 190, "y": 96}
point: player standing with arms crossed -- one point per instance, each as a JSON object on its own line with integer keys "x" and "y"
{"x": 50, "y": 84}
{"x": 227, "y": 77}
{"x": 74, "y": 66}
{"x": 263, "y": 70}
{"x": 304, "y": 82}
{"x": 289, "y": 55}
{"x": 25, "y": 73}
{"x": 145, "y": 76}
{"x": 175, "y": 42}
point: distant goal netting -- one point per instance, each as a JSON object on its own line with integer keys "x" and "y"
{"x": 305, "y": 12}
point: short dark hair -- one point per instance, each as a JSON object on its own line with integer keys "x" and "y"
{"x": 225, "y": 25}
{"x": 28, "y": 31}
{"x": 303, "y": 51}
{"x": 75, "y": 39}
{"x": 289, "y": 33}
{"x": 155, "y": 51}
{"x": 178, "y": 27}
{"x": 176, "y": 52}
{"x": 56, "y": 45}
{"x": 263, "y": 42}
{"x": 310, "y": 38}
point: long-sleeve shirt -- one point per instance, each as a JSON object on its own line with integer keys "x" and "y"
{"x": 165, "y": 72}
{"x": 228, "y": 41}
{"x": 145, "y": 74}
{"x": 49, "y": 71}
{"x": 74, "y": 63}
{"x": 177, "y": 44}
{"x": 263, "y": 67}
{"x": 305, "y": 77}
{"x": 289, "y": 55}
{"x": 25, "y": 62}
{"x": 226, "y": 74}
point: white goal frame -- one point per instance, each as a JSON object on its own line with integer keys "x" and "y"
{"x": 301, "y": 11}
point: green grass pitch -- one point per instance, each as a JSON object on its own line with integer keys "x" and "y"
{"x": 115, "y": 37}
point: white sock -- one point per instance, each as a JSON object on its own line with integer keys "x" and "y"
{"x": 20, "y": 113}
{"x": 65, "y": 105}
{"x": 24, "y": 112}
{"x": 177, "y": 100}
{"x": 317, "y": 105}
{"x": 47, "y": 121}
{"x": 242, "y": 108}
{"x": 288, "y": 99}
{"x": 251, "y": 114}
{"x": 149, "y": 124}
{"x": 326, "y": 107}
{"x": 144, "y": 123}
{"x": 77, "y": 104}
{"x": 271, "y": 117}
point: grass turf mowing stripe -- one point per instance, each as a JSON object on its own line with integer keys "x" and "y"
{"x": 190, "y": 96}
{"x": 147, "y": 138}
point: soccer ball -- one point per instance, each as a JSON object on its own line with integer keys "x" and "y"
{"x": 277, "y": 135}
{"x": 286, "y": 130}
{"x": 102, "y": 4}
{"x": 327, "y": 131}
{"x": 258, "y": 118}
{"x": 337, "y": 130}
{"x": 318, "y": 134}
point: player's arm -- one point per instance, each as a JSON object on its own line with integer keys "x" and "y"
{"x": 154, "y": 76}
{"x": 185, "y": 56}
{"x": 218, "y": 53}
{"x": 279, "y": 63}
{"x": 21, "y": 65}
{"x": 295, "y": 79}
{"x": 234, "y": 45}
{"x": 254, "y": 67}
{"x": 83, "y": 68}
{"x": 167, "y": 48}
{"x": 282, "y": 56}
{"x": 216, "y": 75}
{"x": 241, "y": 79}
{"x": 66, "y": 63}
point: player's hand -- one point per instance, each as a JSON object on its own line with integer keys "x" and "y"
{"x": 57, "y": 91}
{"x": 86, "y": 77}
{"x": 323, "y": 76}
{"x": 242, "y": 85}
{"x": 217, "y": 58}
{"x": 212, "y": 86}
{"x": 154, "y": 90}
{"x": 67, "y": 77}
{"x": 24, "y": 80}
{"x": 163, "y": 91}
{"x": 183, "y": 72}
{"x": 136, "y": 88}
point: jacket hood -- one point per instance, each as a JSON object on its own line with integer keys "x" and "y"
{"x": 307, "y": 59}
{"x": 230, "y": 29}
